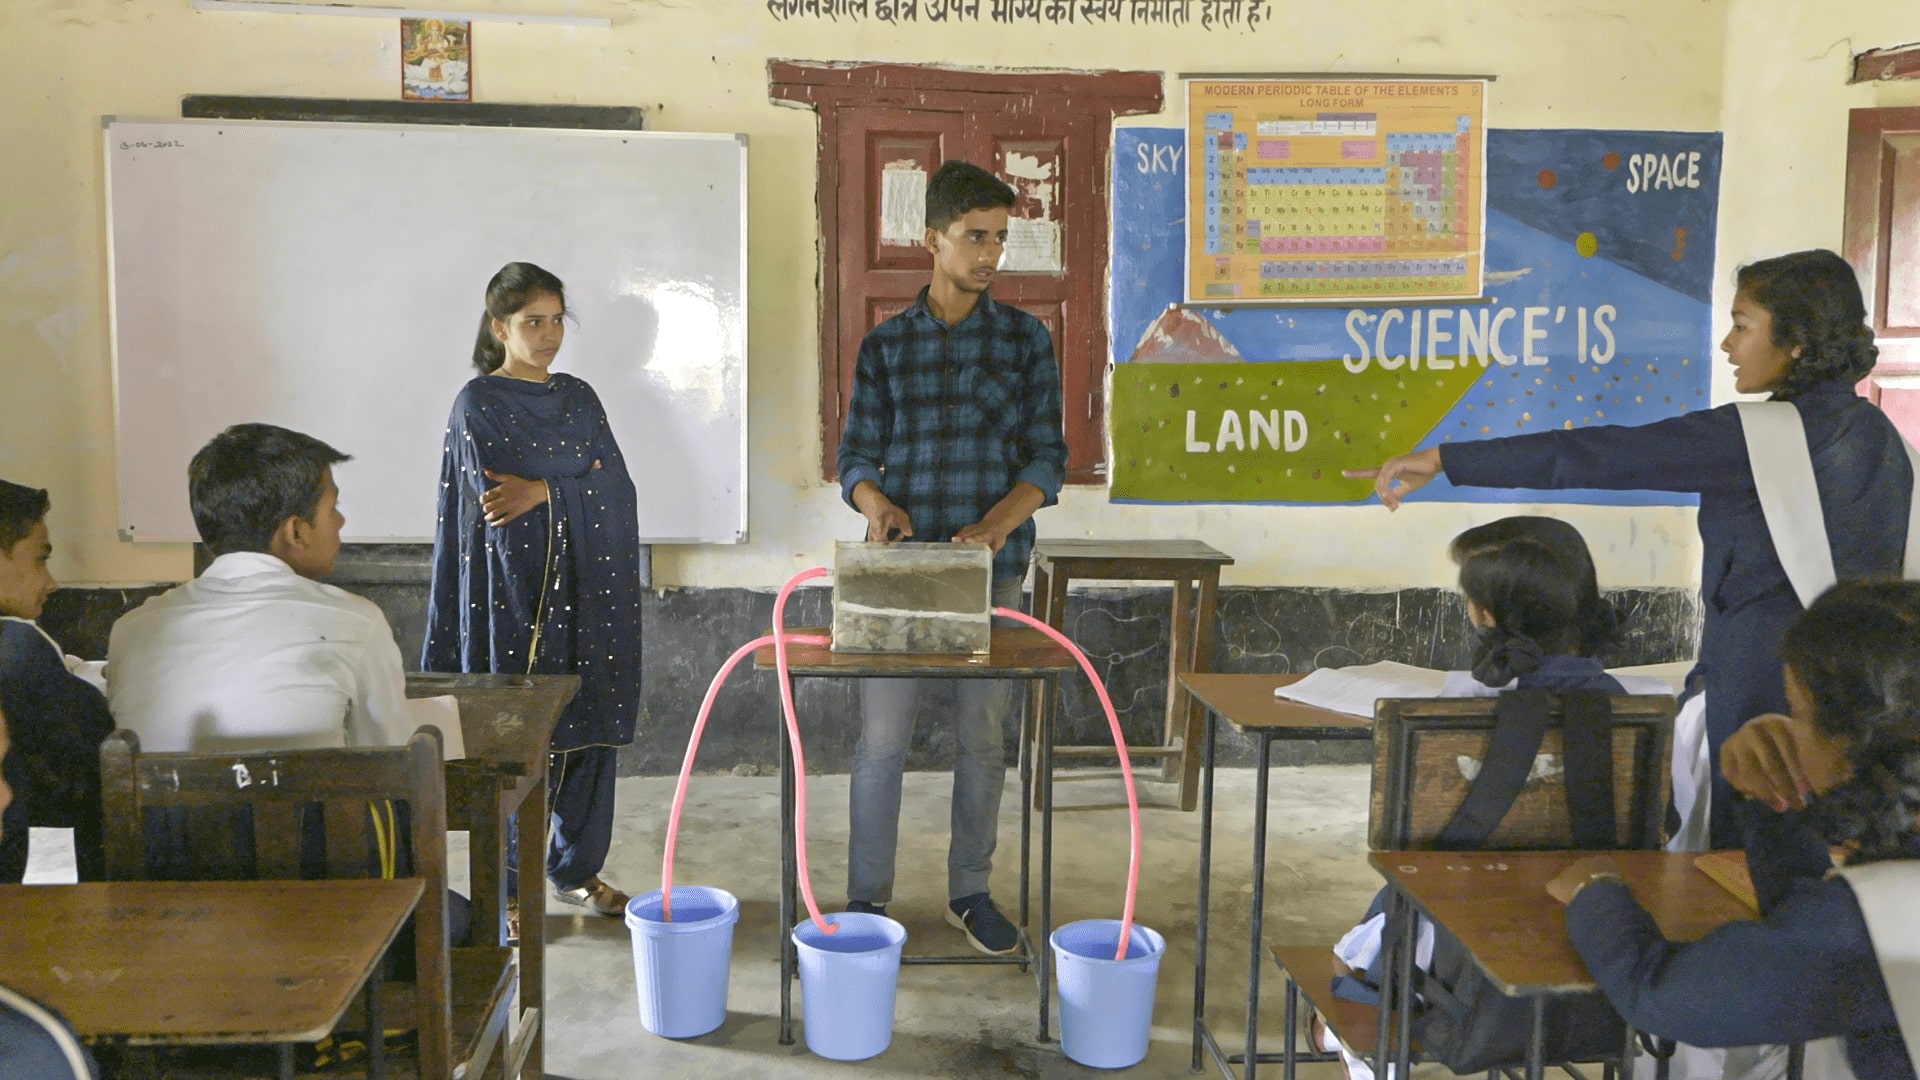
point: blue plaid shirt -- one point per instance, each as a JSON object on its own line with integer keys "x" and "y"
{"x": 947, "y": 419}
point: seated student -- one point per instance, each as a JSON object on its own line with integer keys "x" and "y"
{"x": 255, "y": 654}
{"x": 1833, "y": 953}
{"x": 59, "y": 717}
{"x": 35, "y": 1043}
{"x": 1531, "y": 590}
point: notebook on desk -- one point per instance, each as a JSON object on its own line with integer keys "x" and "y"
{"x": 1353, "y": 690}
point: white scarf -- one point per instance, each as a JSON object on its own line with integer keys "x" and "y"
{"x": 1889, "y": 897}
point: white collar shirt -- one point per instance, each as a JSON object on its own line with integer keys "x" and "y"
{"x": 252, "y": 656}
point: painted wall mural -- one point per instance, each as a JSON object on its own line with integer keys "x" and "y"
{"x": 1599, "y": 274}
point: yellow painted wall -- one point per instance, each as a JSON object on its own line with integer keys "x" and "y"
{"x": 1785, "y": 106}
{"x": 700, "y": 65}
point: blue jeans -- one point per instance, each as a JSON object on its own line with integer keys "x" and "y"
{"x": 887, "y": 712}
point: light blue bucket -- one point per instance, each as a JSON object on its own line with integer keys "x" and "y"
{"x": 680, "y": 967}
{"x": 847, "y": 984}
{"x": 1106, "y": 1005}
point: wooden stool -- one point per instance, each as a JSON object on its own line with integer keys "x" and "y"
{"x": 1194, "y": 569}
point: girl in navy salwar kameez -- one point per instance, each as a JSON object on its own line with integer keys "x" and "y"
{"x": 536, "y": 562}
{"x": 1799, "y": 334}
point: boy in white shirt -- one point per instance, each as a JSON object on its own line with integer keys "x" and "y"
{"x": 254, "y": 654}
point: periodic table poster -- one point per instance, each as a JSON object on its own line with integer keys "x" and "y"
{"x": 1599, "y": 284}
{"x": 1322, "y": 190}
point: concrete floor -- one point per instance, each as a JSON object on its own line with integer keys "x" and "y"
{"x": 962, "y": 1021}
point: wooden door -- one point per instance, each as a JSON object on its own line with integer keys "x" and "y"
{"x": 1016, "y": 123}
{"x": 886, "y": 156}
{"x": 1040, "y": 154}
{"x": 1883, "y": 244}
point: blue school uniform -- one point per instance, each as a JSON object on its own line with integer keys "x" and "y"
{"x": 1865, "y": 483}
{"x": 56, "y": 721}
{"x": 556, "y": 591}
{"x": 1805, "y": 970}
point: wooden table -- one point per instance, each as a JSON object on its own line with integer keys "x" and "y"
{"x": 1194, "y": 569}
{"x": 1017, "y": 652}
{"x": 506, "y": 722}
{"x": 1247, "y": 703}
{"x": 150, "y": 963}
{"x": 1496, "y": 903}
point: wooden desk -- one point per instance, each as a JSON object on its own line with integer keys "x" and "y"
{"x": 1017, "y": 652}
{"x": 1194, "y": 569}
{"x": 1496, "y": 903}
{"x": 1247, "y": 703}
{"x": 506, "y": 722}
{"x": 200, "y": 963}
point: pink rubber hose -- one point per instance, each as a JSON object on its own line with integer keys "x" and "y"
{"x": 780, "y": 638}
{"x": 1126, "y": 768}
{"x": 693, "y": 747}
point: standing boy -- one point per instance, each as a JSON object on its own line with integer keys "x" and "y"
{"x": 953, "y": 435}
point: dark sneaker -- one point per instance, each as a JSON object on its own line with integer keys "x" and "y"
{"x": 988, "y": 931}
{"x": 861, "y": 907}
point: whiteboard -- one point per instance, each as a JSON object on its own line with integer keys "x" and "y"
{"x": 329, "y": 278}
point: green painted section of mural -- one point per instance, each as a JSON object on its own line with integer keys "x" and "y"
{"x": 1246, "y": 432}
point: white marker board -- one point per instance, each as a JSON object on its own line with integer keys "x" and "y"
{"x": 329, "y": 278}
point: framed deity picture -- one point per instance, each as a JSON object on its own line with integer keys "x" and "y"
{"x": 436, "y": 60}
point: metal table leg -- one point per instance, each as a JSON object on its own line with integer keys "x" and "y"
{"x": 1206, "y": 875}
{"x": 789, "y": 874}
{"x": 1259, "y": 897}
{"x": 1409, "y": 945}
{"x": 1028, "y": 718}
{"x": 376, "y": 1028}
{"x": 1042, "y": 945}
{"x": 1293, "y": 1026}
{"x": 1536, "y": 1040}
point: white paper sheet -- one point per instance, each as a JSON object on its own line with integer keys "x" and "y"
{"x": 1033, "y": 246}
{"x": 1353, "y": 690}
{"x": 444, "y": 713}
{"x": 903, "y": 206}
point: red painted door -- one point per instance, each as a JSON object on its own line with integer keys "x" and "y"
{"x": 886, "y": 156}
{"x": 1883, "y": 244}
{"x": 1046, "y": 133}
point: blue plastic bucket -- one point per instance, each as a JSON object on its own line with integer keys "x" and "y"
{"x": 847, "y": 984}
{"x": 680, "y": 967}
{"x": 1106, "y": 1005}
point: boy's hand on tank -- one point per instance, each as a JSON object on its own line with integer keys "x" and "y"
{"x": 1398, "y": 477}
{"x": 510, "y": 497}
{"x": 1763, "y": 761}
{"x": 982, "y": 533}
{"x": 888, "y": 522}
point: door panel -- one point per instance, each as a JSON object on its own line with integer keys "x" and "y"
{"x": 1040, "y": 153}
{"x": 1883, "y": 244}
{"x": 886, "y": 156}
